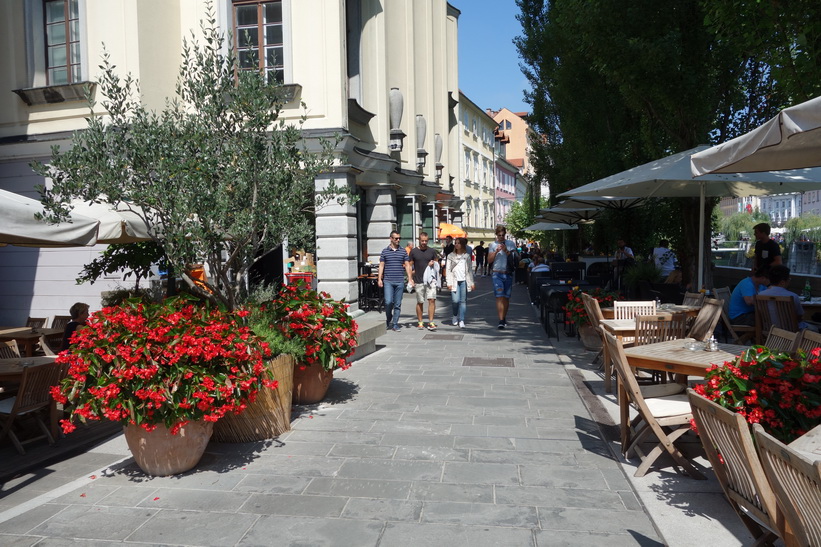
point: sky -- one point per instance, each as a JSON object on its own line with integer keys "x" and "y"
{"x": 489, "y": 71}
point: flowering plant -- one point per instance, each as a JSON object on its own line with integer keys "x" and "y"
{"x": 575, "y": 307}
{"x": 320, "y": 327}
{"x": 161, "y": 363}
{"x": 779, "y": 391}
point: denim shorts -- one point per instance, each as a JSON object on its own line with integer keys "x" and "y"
{"x": 502, "y": 284}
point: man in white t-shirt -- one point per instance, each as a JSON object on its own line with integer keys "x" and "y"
{"x": 664, "y": 258}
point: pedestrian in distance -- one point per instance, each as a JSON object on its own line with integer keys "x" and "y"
{"x": 460, "y": 280}
{"x": 480, "y": 252}
{"x": 423, "y": 259}
{"x": 394, "y": 263}
{"x": 501, "y": 259}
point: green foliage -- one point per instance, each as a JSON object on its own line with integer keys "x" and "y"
{"x": 133, "y": 258}
{"x": 220, "y": 177}
{"x": 642, "y": 270}
{"x": 806, "y": 227}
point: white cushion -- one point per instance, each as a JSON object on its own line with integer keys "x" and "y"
{"x": 661, "y": 390}
{"x": 672, "y": 405}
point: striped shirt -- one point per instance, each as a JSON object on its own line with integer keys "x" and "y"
{"x": 394, "y": 264}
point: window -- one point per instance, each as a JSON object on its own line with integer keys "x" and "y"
{"x": 62, "y": 22}
{"x": 259, "y": 38}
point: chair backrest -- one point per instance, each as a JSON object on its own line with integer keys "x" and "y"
{"x": 60, "y": 321}
{"x": 738, "y": 468}
{"x": 781, "y": 340}
{"x": 629, "y": 310}
{"x": 724, "y": 294}
{"x": 706, "y": 320}
{"x": 809, "y": 341}
{"x": 796, "y": 482}
{"x": 9, "y": 349}
{"x": 693, "y": 299}
{"x": 35, "y": 387}
{"x": 36, "y": 322}
{"x": 593, "y": 309}
{"x": 50, "y": 345}
{"x": 651, "y": 329}
{"x": 776, "y": 311}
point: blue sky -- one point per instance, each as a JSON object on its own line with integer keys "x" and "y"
{"x": 489, "y": 71}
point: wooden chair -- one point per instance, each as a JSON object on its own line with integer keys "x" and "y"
{"x": 655, "y": 416}
{"x": 738, "y": 334}
{"x": 796, "y": 482}
{"x": 693, "y": 299}
{"x": 706, "y": 320}
{"x": 9, "y": 349}
{"x": 781, "y": 340}
{"x": 738, "y": 469}
{"x": 36, "y": 322}
{"x": 593, "y": 310}
{"x": 60, "y": 321}
{"x": 629, "y": 310}
{"x": 774, "y": 310}
{"x": 50, "y": 345}
{"x": 32, "y": 398}
{"x": 808, "y": 341}
{"x": 651, "y": 329}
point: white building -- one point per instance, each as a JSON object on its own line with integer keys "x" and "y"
{"x": 477, "y": 181}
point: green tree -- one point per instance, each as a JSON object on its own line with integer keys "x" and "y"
{"x": 132, "y": 258}
{"x": 219, "y": 176}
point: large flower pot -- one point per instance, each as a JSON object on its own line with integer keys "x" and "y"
{"x": 310, "y": 384}
{"x": 591, "y": 339}
{"x": 160, "y": 453}
{"x": 268, "y": 416}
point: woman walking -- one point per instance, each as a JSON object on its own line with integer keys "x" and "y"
{"x": 459, "y": 279}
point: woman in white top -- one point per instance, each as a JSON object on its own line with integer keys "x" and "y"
{"x": 459, "y": 279}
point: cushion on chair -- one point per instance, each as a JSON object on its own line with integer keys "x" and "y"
{"x": 672, "y": 405}
{"x": 661, "y": 390}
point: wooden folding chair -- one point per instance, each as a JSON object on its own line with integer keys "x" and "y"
{"x": 738, "y": 468}
{"x": 32, "y": 397}
{"x": 60, "y": 321}
{"x": 651, "y": 329}
{"x": 808, "y": 341}
{"x": 774, "y": 310}
{"x": 693, "y": 299}
{"x": 594, "y": 313}
{"x": 36, "y": 322}
{"x": 629, "y": 310}
{"x": 655, "y": 417}
{"x": 796, "y": 482}
{"x": 706, "y": 320}
{"x": 781, "y": 340}
{"x": 9, "y": 349}
{"x": 738, "y": 334}
{"x": 49, "y": 345}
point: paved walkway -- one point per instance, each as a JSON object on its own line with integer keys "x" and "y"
{"x": 428, "y": 441}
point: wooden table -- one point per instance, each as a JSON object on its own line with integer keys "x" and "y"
{"x": 810, "y": 308}
{"x": 11, "y": 370}
{"x": 809, "y": 443}
{"x": 691, "y": 311}
{"x": 27, "y": 338}
{"x": 620, "y": 328}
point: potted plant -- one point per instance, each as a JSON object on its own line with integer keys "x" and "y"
{"x": 576, "y": 314}
{"x": 167, "y": 371}
{"x": 322, "y": 333}
{"x": 779, "y": 391}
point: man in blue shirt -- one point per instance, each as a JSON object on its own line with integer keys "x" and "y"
{"x": 394, "y": 263}
{"x": 742, "y": 301}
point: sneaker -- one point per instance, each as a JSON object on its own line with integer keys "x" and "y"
{"x": 504, "y": 322}
{"x": 501, "y": 324}
{"x": 461, "y": 324}
{"x": 455, "y": 320}
{"x": 421, "y": 325}
{"x": 396, "y": 328}
{"x": 431, "y": 326}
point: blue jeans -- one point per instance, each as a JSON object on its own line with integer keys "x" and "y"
{"x": 459, "y": 298}
{"x": 393, "y": 301}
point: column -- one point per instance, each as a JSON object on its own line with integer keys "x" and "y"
{"x": 336, "y": 231}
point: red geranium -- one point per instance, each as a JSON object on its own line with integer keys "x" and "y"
{"x": 575, "y": 307}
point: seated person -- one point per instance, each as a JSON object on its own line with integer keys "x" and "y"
{"x": 779, "y": 279}
{"x": 539, "y": 265}
{"x": 742, "y": 301}
{"x": 79, "y": 315}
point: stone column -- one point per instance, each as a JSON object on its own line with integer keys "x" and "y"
{"x": 380, "y": 219}
{"x": 336, "y": 232}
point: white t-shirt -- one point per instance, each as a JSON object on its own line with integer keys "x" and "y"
{"x": 665, "y": 260}
{"x": 500, "y": 261}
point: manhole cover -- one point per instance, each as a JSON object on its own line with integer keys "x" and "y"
{"x": 443, "y": 337}
{"x": 483, "y": 362}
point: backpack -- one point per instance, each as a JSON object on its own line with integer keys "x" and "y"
{"x": 513, "y": 259}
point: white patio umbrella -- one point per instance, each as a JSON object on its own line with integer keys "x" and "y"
{"x": 19, "y": 227}
{"x": 790, "y": 140}
{"x": 550, "y": 227}
{"x": 600, "y": 202}
{"x": 671, "y": 177}
{"x": 569, "y": 216}
{"x": 118, "y": 223}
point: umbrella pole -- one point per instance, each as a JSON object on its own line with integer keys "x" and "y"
{"x": 700, "y": 240}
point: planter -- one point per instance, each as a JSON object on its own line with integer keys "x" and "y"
{"x": 591, "y": 339}
{"x": 310, "y": 384}
{"x": 268, "y": 416}
{"x": 160, "y": 453}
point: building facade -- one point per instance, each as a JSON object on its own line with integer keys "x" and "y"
{"x": 379, "y": 75}
{"x": 478, "y": 177}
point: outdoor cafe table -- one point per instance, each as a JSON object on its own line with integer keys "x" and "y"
{"x": 11, "y": 371}
{"x": 672, "y": 356}
{"x": 691, "y": 311}
{"x": 27, "y": 338}
{"x": 809, "y": 443}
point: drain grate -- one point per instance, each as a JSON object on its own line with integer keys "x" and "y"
{"x": 483, "y": 362}
{"x": 443, "y": 337}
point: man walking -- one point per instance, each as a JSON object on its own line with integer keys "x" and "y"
{"x": 479, "y": 252}
{"x": 500, "y": 258}
{"x": 422, "y": 258}
{"x": 394, "y": 263}
{"x": 767, "y": 251}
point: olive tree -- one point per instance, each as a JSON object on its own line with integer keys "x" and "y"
{"x": 218, "y": 174}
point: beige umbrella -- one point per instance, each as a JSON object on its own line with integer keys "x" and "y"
{"x": 18, "y": 226}
{"x": 557, "y": 214}
{"x": 550, "y": 227}
{"x": 118, "y": 223}
{"x": 791, "y": 140}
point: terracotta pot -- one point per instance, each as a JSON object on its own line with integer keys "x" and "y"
{"x": 160, "y": 453}
{"x": 591, "y": 339}
{"x": 310, "y": 384}
{"x": 268, "y": 416}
